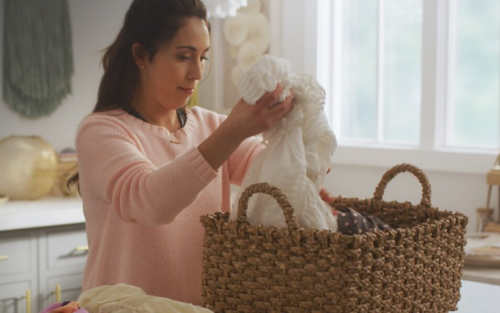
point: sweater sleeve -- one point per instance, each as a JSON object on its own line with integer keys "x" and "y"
{"x": 240, "y": 160}
{"x": 113, "y": 169}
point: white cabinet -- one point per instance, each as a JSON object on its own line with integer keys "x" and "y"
{"x": 18, "y": 270}
{"x": 41, "y": 266}
{"x": 63, "y": 252}
{"x": 15, "y": 297}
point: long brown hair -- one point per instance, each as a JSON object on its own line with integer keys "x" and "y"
{"x": 151, "y": 23}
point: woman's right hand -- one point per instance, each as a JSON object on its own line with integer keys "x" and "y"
{"x": 244, "y": 121}
{"x": 247, "y": 120}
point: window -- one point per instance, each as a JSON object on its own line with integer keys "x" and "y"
{"x": 473, "y": 108}
{"x": 414, "y": 74}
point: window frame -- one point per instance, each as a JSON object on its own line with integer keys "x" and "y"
{"x": 431, "y": 153}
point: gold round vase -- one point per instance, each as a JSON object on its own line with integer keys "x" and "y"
{"x": 28, "y": 167}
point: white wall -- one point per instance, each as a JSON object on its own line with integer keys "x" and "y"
{"x": 95, "y": 24}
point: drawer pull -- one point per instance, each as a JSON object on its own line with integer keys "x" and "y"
{"x": 28, "y": 300}
{"x": 82, "y": 248}
{"x": 4, "y": 257}
{"x": 58, "y": 293}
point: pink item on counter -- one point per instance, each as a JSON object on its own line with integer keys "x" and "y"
{"x": 58, "y": 305}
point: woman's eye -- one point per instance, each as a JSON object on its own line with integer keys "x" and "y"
{"x": 204, "y": 58}
{"x": 184, "y": 57}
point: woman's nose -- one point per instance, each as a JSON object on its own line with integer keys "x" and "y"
{"x": 196, "y": 71}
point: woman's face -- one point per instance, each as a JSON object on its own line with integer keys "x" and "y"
{"x": 169, "y": 79}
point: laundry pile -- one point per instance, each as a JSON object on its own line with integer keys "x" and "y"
{"x": 122, "y": 298}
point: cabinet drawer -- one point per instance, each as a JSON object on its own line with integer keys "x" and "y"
{"x": 13, "y": 297}
{"x": 17, "y": 253}
{"x": 70, "y": 287}
{"x": 65, "y": 248}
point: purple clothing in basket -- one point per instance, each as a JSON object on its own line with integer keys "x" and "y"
{"x": 351, "y": 222}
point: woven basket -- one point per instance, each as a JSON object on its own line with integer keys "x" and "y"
{"x": 414, "y": 268}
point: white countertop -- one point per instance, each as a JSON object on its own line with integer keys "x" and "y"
{"x": 48, "y": 211}
{"x": 478, "y": 298}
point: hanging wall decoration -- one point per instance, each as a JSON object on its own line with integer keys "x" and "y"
{"x": 37, "y": 56}
{"x": 248, "y": 36}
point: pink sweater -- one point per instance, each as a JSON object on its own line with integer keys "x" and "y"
{"x": 143, "y": 197}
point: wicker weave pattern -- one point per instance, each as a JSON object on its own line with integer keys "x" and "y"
{"x": 414, "y": 268}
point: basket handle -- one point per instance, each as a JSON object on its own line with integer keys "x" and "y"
{"x": 400, "y": 168}
{"x": 274, "y": 192}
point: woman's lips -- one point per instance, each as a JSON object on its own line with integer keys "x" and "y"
{"x": 188, "y": 91}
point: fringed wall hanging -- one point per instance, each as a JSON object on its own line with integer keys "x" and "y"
{"x": 37, "y": 56}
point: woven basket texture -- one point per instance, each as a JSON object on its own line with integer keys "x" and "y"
{"x": 416, "y": 267}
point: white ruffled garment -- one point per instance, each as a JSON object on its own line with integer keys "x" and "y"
{"x": 298, "y": 149}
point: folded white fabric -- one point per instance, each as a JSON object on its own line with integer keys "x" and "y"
{"x": 298, "y": 149}
{"x": 123, "y": 298}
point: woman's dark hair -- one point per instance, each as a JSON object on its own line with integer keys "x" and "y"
{"x": 151, "y": 23}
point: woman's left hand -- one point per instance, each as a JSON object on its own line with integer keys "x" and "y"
{"x": 325, "y": 196}
{"x": 328, "y": 198}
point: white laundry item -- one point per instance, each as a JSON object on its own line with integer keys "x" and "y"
{"x": 263, "y": 76}
{"x": 298, "y": 150}
{"x": 123, "y": 298}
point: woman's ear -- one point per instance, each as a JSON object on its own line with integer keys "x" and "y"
{"x": 139, "y": 55}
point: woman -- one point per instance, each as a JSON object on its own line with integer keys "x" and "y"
{"x": 148, "y": 166}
